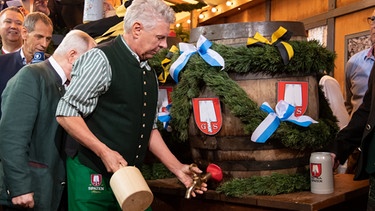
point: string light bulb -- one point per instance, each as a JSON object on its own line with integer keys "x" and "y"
{"x": 229, "y": 3}
{"x": 213, "y": 9}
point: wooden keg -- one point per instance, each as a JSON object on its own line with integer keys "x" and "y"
{"x": 231, "y": 148}
{"x": 236, "y": 34}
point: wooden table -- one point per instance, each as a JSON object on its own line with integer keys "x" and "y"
{"x": 348, "y": 195}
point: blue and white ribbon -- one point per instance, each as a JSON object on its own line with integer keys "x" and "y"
{"x": 187, "y": 50}
{"x": 284, "y": 112}
{"x": 165, "y": 117}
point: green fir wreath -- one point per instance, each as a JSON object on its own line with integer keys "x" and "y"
{"x": 310, "y": 58}
{"x": 265, "y": 185}
{"x": 187, "y": 7}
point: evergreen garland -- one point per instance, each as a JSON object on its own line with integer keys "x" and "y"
{"x": 187, "y": 7}
{"x": 265, "y": 185}
{"x": 156, "y": 171}
{"x": 310, "y": 58}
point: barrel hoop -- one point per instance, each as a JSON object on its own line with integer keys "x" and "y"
{"x": 246, "y": 174}
{"x": 258, "y": 155}
{"x": 245, "y": 30}
{"x": 246, "y": 165}
{"x": 231, "y": 143}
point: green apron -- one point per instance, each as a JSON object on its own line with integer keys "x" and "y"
{"x": 88, "y": 190}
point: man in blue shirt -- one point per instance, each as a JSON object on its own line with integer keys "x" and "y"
{"x": 357, "y": 71}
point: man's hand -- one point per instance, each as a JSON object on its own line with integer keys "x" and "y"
{"x": 185, "y": 176}
{"x": 112, "y": 160}
{"x": 41, "y": 6}
{"x": 25, "y": 200}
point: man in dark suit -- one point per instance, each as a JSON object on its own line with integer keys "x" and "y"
{"x": 36, "y": 34}
{"x": 360, "y": 133}
{"x": 31, "y": 141}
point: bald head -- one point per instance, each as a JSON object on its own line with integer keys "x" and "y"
{"x": 76, "y": 40}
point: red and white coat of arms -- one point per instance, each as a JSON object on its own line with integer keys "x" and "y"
{"x": 96, "y": 179}
{"x": 294, "y": 93}
{"x": 207, "y": 115}
{"x": 316, "y": 169}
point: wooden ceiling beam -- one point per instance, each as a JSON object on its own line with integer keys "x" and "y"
{"x": 173, "y": 2}
{"x": 321, "y": 19}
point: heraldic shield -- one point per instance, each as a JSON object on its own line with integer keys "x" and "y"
{"x": 294, "y": 93}
{"x": 316, "y": 169}
{"x": 207, "y": 115}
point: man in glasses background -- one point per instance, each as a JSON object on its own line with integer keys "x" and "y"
{"x": 357, "y": 72}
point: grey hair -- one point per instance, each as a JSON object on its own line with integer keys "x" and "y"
{"x": 149, "y": 13}
{"x": 33, "y": 17}
{"x": 75, "y": 39}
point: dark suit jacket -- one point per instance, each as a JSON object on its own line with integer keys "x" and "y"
{"x": 359, "y": 131}
{"x": 9, "y": 66}
{"x": 31, "y": 141}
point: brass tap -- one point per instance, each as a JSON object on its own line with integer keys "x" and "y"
{"x": 198, "y": 179}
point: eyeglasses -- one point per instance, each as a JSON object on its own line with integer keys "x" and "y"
{"x": 371, "y": 20}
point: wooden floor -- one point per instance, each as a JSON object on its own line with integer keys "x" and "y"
{"x": 349, "y": 195}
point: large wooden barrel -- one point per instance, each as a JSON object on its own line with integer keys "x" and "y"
{"x": 236, "y": 34}
{"x": 231, "y": 148}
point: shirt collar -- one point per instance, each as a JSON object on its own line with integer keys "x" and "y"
{"x": 23, "y": 57}
{"x": 370, "y": 53}
{"x": 6, "y": 52}
{"x": 142, "y": 64}
{"x": 58, "y": 69}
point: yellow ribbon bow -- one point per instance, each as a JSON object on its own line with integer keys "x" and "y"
{"x": 165, "y": 63}
{"x": 116, "y": 29}
{"x": 278, "y": 39}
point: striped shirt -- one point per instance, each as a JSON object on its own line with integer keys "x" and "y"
{"x": 91, "y": 77}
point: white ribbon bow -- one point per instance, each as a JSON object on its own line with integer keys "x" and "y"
{"x": 210, "y": 56}
{"x": 284, "y": 112}
{"x": 165, "y": 116}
